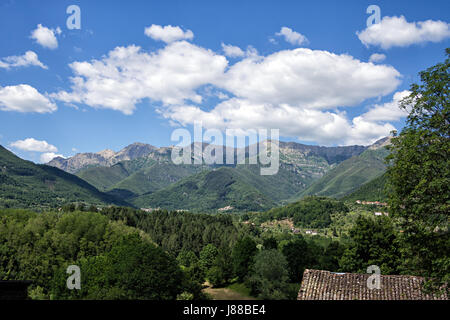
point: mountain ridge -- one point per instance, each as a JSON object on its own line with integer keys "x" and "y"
{"x": 26, "y": 184}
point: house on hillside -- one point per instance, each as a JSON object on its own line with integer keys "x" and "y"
{"x": 326, "y": 285}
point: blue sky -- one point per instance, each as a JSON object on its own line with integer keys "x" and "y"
{"x": 341, "y": 99}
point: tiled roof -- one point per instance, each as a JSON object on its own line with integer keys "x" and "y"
{"x": 325, "y": 285}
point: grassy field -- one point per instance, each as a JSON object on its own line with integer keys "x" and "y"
{"x": 235, "y": 291}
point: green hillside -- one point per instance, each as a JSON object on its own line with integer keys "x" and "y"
{"x": 156, "y": 177}
{"x": 311, "y": 212}
{"x": 24, "y": 184}
{"x": 207, "y": 191}
{"x": 373, "y": 190}
{"x": 104, "y": 178}
{"x": 139, "y": 176}
{"x": 349, "y": 175}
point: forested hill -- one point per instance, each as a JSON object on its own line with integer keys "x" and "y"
{"x": 374, "y": 190}
{"x": 24, "y": 184}
{"x": 350, "y": 174}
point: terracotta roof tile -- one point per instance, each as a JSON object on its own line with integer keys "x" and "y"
{"x": 325, "y": 285}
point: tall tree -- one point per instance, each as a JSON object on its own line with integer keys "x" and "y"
{"x": 298, "y": 257}
{"x": 270, "y": 275}
{"x": 242, "y": 256}
{"x": 374, "y": 242}
{"x": 419, "y": 175}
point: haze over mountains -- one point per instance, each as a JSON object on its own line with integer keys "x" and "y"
{"x": 145, "y": 176}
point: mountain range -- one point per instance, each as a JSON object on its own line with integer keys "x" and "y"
{"x": 145, "y": 176}
{"x": 24, "y": 184}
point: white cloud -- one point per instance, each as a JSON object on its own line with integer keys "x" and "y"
{"x": 49, "y": 156}
{"x": 377, "y": 57}
{"x": 298, "y": 91}
{"x": 31, "y": 144}
{"x": 389, "y": 111}
{"x": 292, "y": 37}
{"x": 324, "y": 127}
{"x": 397, "y": 32}
{"x": 127, "y": 75}
{"x": 294, "y": 90}
{"x": 45, "y": 36}
{"x": 232, "y": 51}
{"x": 309, "y": 79}
{"x": 30, "y": 58}
{"x": 168, "y": 33}
{"x": 24, "y": 98}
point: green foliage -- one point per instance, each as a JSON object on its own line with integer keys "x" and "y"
{"x": 270, "y": 243}
{"x": 313, "y": 212}
{"x": 374, "y": 242}
{"x": 223, "y": 267}
{"x": 419, "y": 175}
{"x": 242, "y": 256}
{"x": 187, "y": 258}
{"x": 27, "y": 185}
{"x": 374, "y": 190}
{"x": 269, "y": 279}
{"x": 350, "y": 174}
{"x": 176, "y": 231}
{"x": 132, "y": 269}
{"x": 299, "y": 256}
{"x": 330, "y": 258}
{"x": 207, "y": 191}
{"x": 208, "y": 256}
{"x": 40, "y": 247}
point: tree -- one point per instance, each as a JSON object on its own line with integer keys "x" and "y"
{"x": 331, "y": 256}
{"x": 134, "y": 269}
{"x": 419, "y": 176}
{"x": 187, "y": 258}
{"x": 242, "y": 256}
{"x": 270, "y": 243}
{"x": 207, "y": 256}
{"x": 223, "y": 268}
{"x": 374, "y": 242}
{"x": 270, "y": 275}
{"x": 298, "y": 257}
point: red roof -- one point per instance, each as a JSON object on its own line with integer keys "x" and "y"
{"x": 326, "y": 285}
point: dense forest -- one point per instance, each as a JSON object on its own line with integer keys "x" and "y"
{"x": 125, "y": 253}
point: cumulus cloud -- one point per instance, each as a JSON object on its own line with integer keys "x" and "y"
{"x": 49, "y": 156}
{"x": 292, "y": 36}
{"x": 397, "y": 32}
{"x": 377, "y": 57}
{"x": 45, "y": 36}
{"x": 232, "y": 51}
{"x": 168, "y": 33}
{"x": 24, "y": 98}
{"x": 324, "y": 127}
{"x": 309, "y": 78}
{"x": 127, "y": 75}
{"x": 389, "y": 111}
{"x": 294, "y": 90}
{"x": 300, "y": 91}
{"x": 30, "y": 58}
{"x": 31, "y": 144}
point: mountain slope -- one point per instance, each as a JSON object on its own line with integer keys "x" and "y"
{"x": 207, "y": 191}
{"x": 374, "y": 190}
{"x": 300, "y": 165}
{"x": 350, "y": 174}
{"x": 25, "y": 184}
